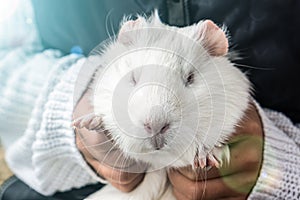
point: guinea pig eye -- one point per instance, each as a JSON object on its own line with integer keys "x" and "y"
{"x": 133, "y": 79}
{"x": 189, "y": 79}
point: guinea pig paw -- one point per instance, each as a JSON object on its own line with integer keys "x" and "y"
{"x": 219, "y": 156}
{"x": 214, "y": 161}
{"x": 200, "y": 161}
{"x": 96, "y": 123}
{"x": 89, "y": 121}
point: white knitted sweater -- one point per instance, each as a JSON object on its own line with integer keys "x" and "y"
{"x": 46, "y": 157}
{"x": 46, "y": 151}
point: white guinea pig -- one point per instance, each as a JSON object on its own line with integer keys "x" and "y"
{"x": 168, "y": 97}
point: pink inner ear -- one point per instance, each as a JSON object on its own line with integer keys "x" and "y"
{"x": 124, "y": 33}
{"x": 213, "y": 38}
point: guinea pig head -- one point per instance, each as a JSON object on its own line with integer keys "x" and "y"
{"x": 165, "y": 93}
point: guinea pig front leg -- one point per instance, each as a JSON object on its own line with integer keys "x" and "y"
{"x": 215, "y": 158}
{"x": 90, "y": 121}
{"x": 218, "y": 156}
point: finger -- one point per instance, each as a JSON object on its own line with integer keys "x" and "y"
{"x": 230, "y": 186}
{"x": 251, "y": 123}
{"x": 129, "y": 186}
{"x": 110, "y": 156}
{"x": 83, "y": 121}
{"x": 244, "y": 156}
{"x": 178, "y": 195}
{"x": 97, "y": 144}
{"x": 242, "y": 182}
{"x": 112, "y": 175}
{"x": 92, "y": 150}
{"x": 82, "y": 149}
{"x": 93, "y": 138}
{"x": 123, "y": 181}
{"x": 199, "y": 174}
{"x": 194, "y": 189}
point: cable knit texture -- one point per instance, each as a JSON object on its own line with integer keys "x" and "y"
{"x": 23, "y": 73}
{"x": 279, "y": 176}
{"x": 46, "y": 157}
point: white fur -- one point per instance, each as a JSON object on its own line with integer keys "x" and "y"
{"x": 201, "y": 116}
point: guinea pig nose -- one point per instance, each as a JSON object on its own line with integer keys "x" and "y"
{"x": 148, "y": 127}
{"x": 156, "y": 128}
{"x": 165, "y": 128}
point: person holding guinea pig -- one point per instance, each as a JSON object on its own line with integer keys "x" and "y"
{"x": 50, "y": 161}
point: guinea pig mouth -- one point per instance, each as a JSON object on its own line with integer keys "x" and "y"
{"x": 158, "y": 141}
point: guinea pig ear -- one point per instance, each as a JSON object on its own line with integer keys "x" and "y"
{"x": 90, "y": 121}
{"x": 213, "y": 38}
{"x": 125, "y": 35}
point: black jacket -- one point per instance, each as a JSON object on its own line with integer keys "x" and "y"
{"x": 266, "y": 33}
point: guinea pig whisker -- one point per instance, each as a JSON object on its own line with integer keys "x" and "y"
{"x": 112, "y": 29}
{"x": 98, "y": 144}
{"x": 106, "y": 24}
{"x": 253, "y": 67}
{"x": 116, "y": 161}
{"x": 107, "y": 154}
{"x": 205, "y": 184}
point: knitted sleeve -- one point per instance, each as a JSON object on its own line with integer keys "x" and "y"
{"x": 20, "y": 84}
{"x": 46, "y": 157}
{"x": 280, "y": 173}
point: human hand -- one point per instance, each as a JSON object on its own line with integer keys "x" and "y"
{"x": 103, "y": 157}
{"x": 232, "y": 181}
